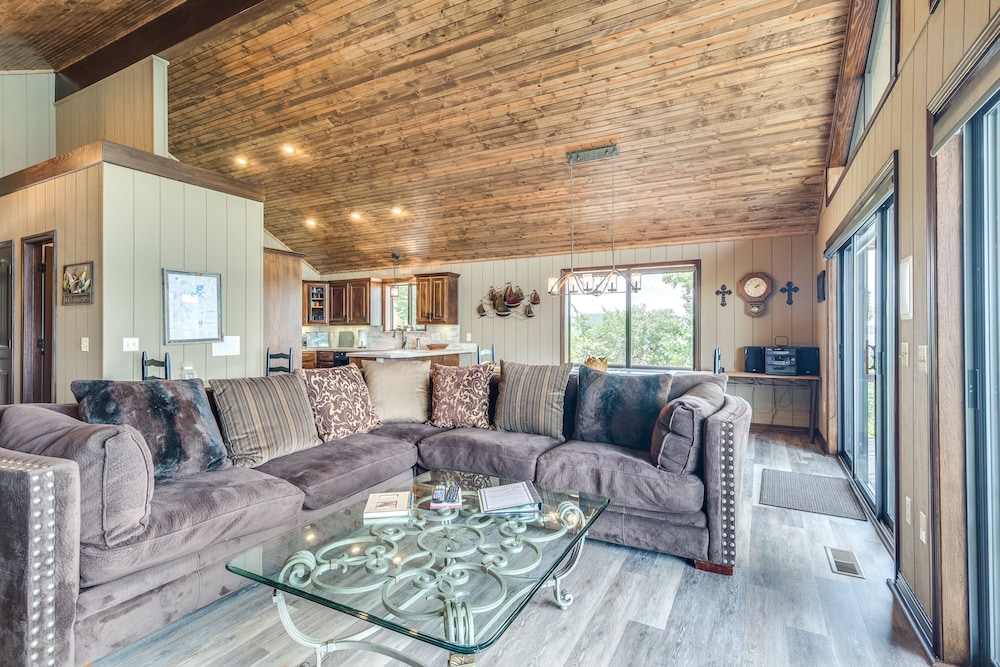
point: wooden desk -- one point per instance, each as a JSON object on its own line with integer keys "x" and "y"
{"x": 762, "y": 380}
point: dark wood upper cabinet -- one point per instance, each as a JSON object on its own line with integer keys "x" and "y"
{"x": 437, "y": 298}
{"x": 355, "y": 302}
{"x": 315, "y": 303}
{"x": 339, "y": 304}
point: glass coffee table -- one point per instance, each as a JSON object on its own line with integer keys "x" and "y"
{"x": 454, "y": 578}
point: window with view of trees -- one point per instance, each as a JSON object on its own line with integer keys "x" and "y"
{"x": 401, "y": 310}
{"x": 652, "y": 327}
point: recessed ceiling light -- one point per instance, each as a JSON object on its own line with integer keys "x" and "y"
{"x": 396, "y": 210}
{"x": 311, "y": 222}
{"x": 356, "y": 215}
{"x": 288, "y": 148}
{"x": 241, "y": 161}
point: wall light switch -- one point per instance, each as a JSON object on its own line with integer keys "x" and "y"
{"x": 904, "y": 354}
{"x": 922, "y": 358}
{"x": 923, "y": 528}
{"x": 907, "y": 513}
{"x": 85, "y": 344}
{"x": 468, "y": 337}
{"x": 130, "y": 344}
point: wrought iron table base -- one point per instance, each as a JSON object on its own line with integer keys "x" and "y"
{"x": 355, "y": 642}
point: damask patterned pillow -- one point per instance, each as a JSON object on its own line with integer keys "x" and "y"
{"x": 340, "y": 402}
{"x": 174, "y": 417}
{"x": 461, "y": 396}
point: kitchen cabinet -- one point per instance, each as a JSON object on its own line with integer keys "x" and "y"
{"x": 437, "y": 298}
{"x": 308, "y": 360}
{"x": 315, "y": 303}
{"x": 355, "y": 302}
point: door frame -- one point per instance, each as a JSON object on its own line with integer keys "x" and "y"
{"x": 32, "y": 254}
{"x": 9, "y": 315}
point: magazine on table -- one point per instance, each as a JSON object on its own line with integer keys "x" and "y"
{"x": 517, "y": 498}
{"x": 388, "y": 505}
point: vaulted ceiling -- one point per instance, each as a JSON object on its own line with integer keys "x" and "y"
{"x": 460, "y": 113}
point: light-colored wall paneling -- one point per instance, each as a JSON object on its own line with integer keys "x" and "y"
{"x": 128, "y": 108}
{"x": 70, "y": 206}
{"x": 537, "y": 340}
{"x": 27, "y": 120}
{"x": 930, "y": 51}
{"x": 152, "y": 223}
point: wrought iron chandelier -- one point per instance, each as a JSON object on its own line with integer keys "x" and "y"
{"x": 394, "y": 290}
{"x": 573, "y": 281}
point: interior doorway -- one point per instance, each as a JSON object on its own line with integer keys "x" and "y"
{"x": 6, "y": 322}
{"x": 38, "y": 339}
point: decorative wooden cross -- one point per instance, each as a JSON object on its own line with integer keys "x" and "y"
{"x": 788, "y": 290}
{"x": 723, "y": 292}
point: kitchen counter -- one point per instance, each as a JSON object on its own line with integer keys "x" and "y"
{"x": 403, "y": 354}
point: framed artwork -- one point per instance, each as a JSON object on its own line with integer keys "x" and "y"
{"x": 192, "y": 307}
{"x": 78, "y": 284}
{"x": 821, "y": 286}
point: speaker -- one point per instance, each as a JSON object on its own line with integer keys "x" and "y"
{"x": 753, "y": 359}
{"x": 808, "y": 361}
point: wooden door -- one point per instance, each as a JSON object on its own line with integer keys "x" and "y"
{"x": 339, "y": 305}
{"x": 425, "y": 307}
{"x": 38, "y": 344}
{"x": 282, "y": 287}
{"x": 6, "y": 322}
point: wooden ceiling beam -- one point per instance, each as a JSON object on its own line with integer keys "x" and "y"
{"x": 166, "y": 30}
{"x": 860, "y": 26}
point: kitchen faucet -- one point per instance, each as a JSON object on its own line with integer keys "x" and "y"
{"x": 402, "y": 335}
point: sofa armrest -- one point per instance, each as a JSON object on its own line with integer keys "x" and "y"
{"x": 39, "y": 558}
{"x": 724, "y": 451}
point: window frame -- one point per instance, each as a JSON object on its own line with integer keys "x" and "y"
{"x": 388, "y": 312}
{"x": 644, "y": 268}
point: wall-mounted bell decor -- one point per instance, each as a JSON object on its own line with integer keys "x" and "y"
{"x": 507, "y": 301}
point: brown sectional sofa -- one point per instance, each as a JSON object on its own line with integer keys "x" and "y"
{"x": 69, "y": 602}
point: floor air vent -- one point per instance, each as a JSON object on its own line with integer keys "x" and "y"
{"x": 844, "y": 562}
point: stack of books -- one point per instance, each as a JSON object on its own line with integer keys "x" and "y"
{"x": 517, "y": 498}
{"x": 394, "y": 505}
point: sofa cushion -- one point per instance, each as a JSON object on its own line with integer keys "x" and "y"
{"x": 192, "y": 512}
{"x": 461, "y": 395}
{"x": 677, "y": 436}
{"x": 407, "y": 431}
{"x": 116, "y": 469}
{"x": 624, "y": 475}
{"x": 531, "y": 398}
{"x": 264, "y": 417}
{"x": 335, "y": 470}
{"x": 339, "y": 401}
{"x": 619, "y": 408}
{"x": 510, "y": 455}
{"x": 400, "y": 390}
{"x": 174, "y": 417}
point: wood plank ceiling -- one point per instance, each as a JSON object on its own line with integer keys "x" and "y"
{"x": 460, "y": 113}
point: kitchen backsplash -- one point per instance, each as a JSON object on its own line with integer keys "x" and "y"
{"x": 384, "y": 340}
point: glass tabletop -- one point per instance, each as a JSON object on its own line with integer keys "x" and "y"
{"x": 455, "y": 578}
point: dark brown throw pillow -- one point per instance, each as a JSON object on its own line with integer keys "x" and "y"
{"x": 461, "y": 396}
{"x": 173, "y": 416}
{"x": 618, "y": 408}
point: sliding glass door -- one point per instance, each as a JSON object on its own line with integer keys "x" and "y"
{"x": 866, "y": 327}
{"x": 982, "y": 343}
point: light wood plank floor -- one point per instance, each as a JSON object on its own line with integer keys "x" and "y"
{"x": 783, "y": 606}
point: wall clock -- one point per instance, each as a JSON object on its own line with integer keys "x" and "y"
{"x": 754, "y": 288}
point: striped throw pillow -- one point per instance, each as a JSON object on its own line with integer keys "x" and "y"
{"x": 264, "y": 418}
{"x": 531, "y": 398}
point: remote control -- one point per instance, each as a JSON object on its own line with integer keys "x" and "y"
{"x": 454, "y": 494}
{"x": 439, "y": 494}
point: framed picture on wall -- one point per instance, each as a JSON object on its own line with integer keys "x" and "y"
{"x": 78, "y": 284}
{"x": 192, "y": 307}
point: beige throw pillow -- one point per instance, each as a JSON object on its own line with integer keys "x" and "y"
{"x": 399, "y": 390}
